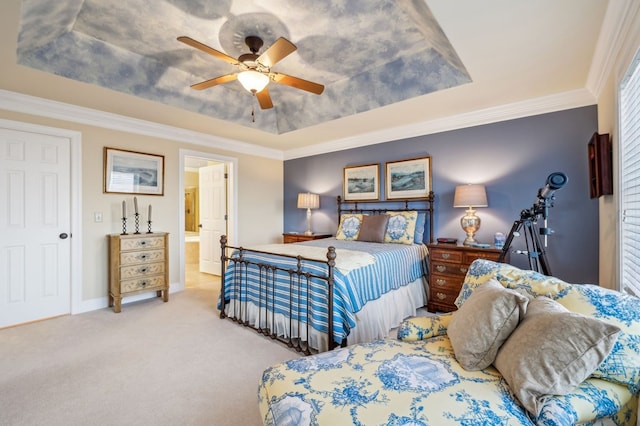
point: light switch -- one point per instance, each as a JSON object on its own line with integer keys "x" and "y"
{"x": 97, "y": 216}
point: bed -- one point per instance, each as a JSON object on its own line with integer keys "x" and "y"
{"x": 355, "y": 287}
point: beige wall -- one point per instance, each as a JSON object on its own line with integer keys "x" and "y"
{"x": 607, "y": 123}
{"x": 259, "y": 189}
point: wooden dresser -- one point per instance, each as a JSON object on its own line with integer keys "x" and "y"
{"x": 138, "y": 263}
{"x": 296, "y": 238}
{"x": 448, "y": 265}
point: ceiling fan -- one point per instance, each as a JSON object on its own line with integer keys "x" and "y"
{"x": 254, "y": 71}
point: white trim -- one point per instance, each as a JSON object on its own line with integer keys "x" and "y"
{"x": 19, "y": 102}
{"x": 618, "y": 21}
{"x": 557, "y": 102}
{"x": 232, "y": 201}
{"x": 75, "y": 139}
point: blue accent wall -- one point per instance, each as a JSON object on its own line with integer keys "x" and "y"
{"x": 512, "y": 159}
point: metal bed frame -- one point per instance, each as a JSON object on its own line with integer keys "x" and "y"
{"x": 299, "y": 279}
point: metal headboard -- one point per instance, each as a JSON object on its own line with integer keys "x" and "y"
{"x": 383, "y": 206}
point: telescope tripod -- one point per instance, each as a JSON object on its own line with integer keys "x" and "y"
{"x": 534, "y": 249}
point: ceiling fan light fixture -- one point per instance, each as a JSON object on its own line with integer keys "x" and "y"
{"x": 253, "y": 81}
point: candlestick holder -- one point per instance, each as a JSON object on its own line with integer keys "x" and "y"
{"x": 137, "y": 223}
{"x": 149, "y": 227}
{"x": 124, "y": 226}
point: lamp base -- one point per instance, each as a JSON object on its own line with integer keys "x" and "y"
{"x": 308, "y": 232}
{"x": 470, "y": 224}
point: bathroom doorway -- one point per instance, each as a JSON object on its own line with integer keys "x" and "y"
{"x": 207, "y": 213}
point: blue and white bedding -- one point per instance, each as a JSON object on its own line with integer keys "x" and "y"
{"x": 379, "y": 270}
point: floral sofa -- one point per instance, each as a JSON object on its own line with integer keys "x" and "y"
{"x": 535, "y": 350}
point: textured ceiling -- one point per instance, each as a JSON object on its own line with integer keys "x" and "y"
{"x": 368, "y": 54}
{"x": 520, "y": 57}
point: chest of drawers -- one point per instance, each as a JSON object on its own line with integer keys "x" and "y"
{"x": 448, "y": 265}
{"x": 138, "y": 263}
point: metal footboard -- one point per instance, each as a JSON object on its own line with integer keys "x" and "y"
{"x": 257, "y": 308}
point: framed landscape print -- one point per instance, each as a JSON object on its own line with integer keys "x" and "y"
{"x": 130, "y": 172}
{"x": 362, "y": 182}
{"x": 408, "y": 178}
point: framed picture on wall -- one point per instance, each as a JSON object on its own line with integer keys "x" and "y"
{"x": 408, "y": 178}
{"x": 130, "y": 172}
{"x": 361, "y": 183}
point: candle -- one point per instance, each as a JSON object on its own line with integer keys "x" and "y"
{"x": 124, "y": 209}
{"x": 149, "y": 213}
{"x": 135, "y": 204}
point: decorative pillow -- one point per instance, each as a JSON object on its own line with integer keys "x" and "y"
{"x": 418, "y": 235}
{"x": 483, "y": 323}
{"x": 401, "y": 227}
{"x": 349, "y": 226}
{"x": 422, "y": 328}
{"x": 552, "y": 351}
{"x": 373, "y": 228}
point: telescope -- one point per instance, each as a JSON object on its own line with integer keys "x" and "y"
{"x": 528, "y": 220}
{"x": 555, "y": 181}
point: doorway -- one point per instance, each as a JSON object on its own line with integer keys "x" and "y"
{"x": 207, "y": 211}
{"x": 39, "y": 168}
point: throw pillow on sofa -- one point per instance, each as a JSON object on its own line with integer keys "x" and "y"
{"x": 552, "y": 351}
{"x": 482, "y": 324}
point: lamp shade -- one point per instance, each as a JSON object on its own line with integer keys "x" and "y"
{"x": 470, "y": 196}
{"x": 253, "y": 81}
{"x": 308, "y": 201}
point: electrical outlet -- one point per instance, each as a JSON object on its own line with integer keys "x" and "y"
{"x": 97, "y": 216}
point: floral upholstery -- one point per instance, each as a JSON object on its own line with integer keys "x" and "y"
{"x": 417, "y": 380}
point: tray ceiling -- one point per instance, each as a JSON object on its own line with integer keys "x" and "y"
{"x": 368, "y": 54}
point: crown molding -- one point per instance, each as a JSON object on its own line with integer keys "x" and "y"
{"x": 557, "y": 102}
{"x": 617, "y": 24}
{"x": 18, "y": 102}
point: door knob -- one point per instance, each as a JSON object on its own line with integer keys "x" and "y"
{"x": 200, "y": 226}
{"x": 63, "y": 236}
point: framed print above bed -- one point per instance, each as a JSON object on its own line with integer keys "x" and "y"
{"x": 408, "y": 178}
{"x": 361, "y": 183}
{"x": 130, "y": 172}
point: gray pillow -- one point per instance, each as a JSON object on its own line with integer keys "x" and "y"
{"x": 485, "y": 320}
{"x": 373, "y": 228}
{"x": 552, "y": 351}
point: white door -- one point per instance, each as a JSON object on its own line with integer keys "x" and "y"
{"x": 35, "y": 224}
{"x": 213, "y": 216}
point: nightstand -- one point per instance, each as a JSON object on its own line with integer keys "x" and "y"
{"x": 296, "y": 238}
{"x": 448, "y": 265}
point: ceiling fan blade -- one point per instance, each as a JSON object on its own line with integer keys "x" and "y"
{"x": 215, "y": 81}
{"x": 210, "y": 50}
{"x": 264, "y": 99}
{"x": 298, "y": 83}
{"x": 279, "y": 50}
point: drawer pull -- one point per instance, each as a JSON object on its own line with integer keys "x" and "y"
{"x": 463, "y": 270}
{"x": 445, "y": 255}
{"x": 441, "y": 296}
{"x": 143, "y": 242}
{"x": 144, "y": 256}
{"x": 441, "y": 268}
{"x": 143, "y": 270}
{"x": 143, "y": 283}
{"x": 441, "y": 282}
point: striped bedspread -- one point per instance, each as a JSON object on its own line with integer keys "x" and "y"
{"x": 386, "y": 268}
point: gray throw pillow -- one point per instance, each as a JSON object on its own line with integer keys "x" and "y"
{"x": 373, "y": 228}
{"x": 552, "y": 351}
{"x": 485, "y": 320}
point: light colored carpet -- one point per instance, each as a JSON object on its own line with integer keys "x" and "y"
{"x": 155, "y": 363}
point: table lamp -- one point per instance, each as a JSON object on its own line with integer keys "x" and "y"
{"x": 470, "y": 196}
{"x": 308, "y": 201}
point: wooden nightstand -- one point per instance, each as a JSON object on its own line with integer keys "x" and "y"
{"x": 296, "y": 238}
{"x": 448, "y": 265}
